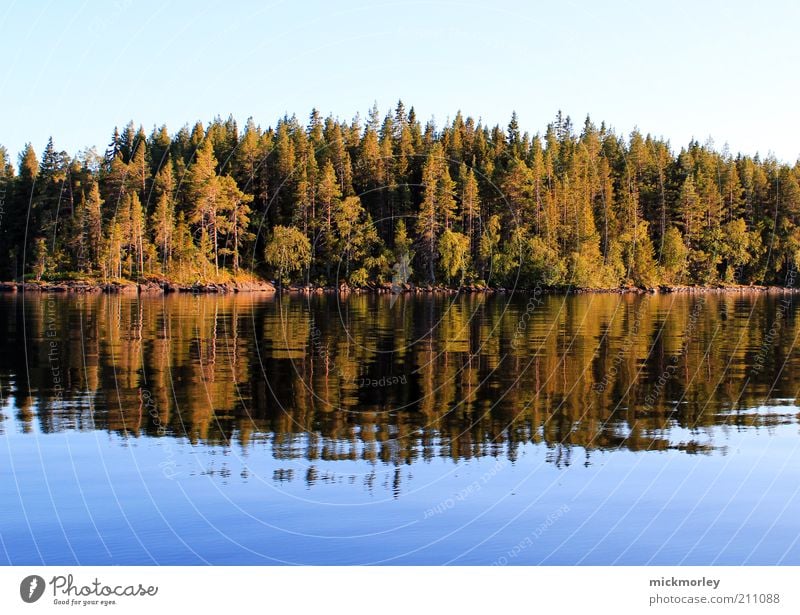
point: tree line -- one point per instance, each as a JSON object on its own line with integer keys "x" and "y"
{"x": 392, "y": 199}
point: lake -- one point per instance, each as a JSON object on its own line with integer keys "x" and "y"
{"x": 399, "y": 429}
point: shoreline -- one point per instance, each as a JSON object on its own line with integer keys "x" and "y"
{"x": 143, "y": 288}
{"x": 167, "y": 287}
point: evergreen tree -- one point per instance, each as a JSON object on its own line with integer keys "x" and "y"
{"x": 236, "y": 204}
{"x": 203, "y": 191}
{"x": 93, "y": 225}
{"x": 163, "y": 226}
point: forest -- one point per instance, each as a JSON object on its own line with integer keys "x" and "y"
{"x": 390, "y": 199}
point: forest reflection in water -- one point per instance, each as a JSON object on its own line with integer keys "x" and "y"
{"x": 396, "y": 379}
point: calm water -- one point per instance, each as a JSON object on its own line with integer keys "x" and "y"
{"x": 593, "y": 429}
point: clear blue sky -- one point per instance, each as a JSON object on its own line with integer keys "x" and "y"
{"x": 726, "y": 70}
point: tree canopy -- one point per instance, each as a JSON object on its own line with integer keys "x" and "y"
{"x": 328, "y": 200}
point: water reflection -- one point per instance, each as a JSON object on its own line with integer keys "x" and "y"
{"x": 399, "y": 379}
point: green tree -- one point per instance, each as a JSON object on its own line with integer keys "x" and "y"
{"x": 674, "y": 255}
{"x": 163, "y": 224}
{"x": 470, "y": 204}
{"x": 454, "y": 255}
{"x": 355, "y": 233}
{"x": 39, "y": 258}
{"x": 203, "y": 189}
{"x": 488, "y": 246}
{"x": 736, "y": 248}
{"x": 237, "y": 204}
{"x": 436, "y": 211}
{"x": 690, "y": 209}
{"x": 288, "y": 251}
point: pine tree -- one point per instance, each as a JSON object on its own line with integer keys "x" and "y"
{"x": 159, "y": 149}
{"x": 514, "y": 140}
{"x": 690, "y": 210}
{"x": 236, "y": 205}
{"x": 163, "y": 225}
{"x": 328, "y": 195}
{"x": 138, "y": 232}
{"x": 203, "y": 191}
{"x": 93, "y": 225}
{"x": 437, "y": 209}
{"x": 139, "y": 167}
{"x": 470, "y": 205}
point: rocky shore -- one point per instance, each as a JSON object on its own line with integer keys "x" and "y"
{"x": 388, "y": 288}
{"x": 164, "y": 287}
{"x": 151, "y": 287}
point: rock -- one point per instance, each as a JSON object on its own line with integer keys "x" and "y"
{"x": 118, "y": 287}
{"x": 246, "y": 287}
{"x": 150, "y": 287}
